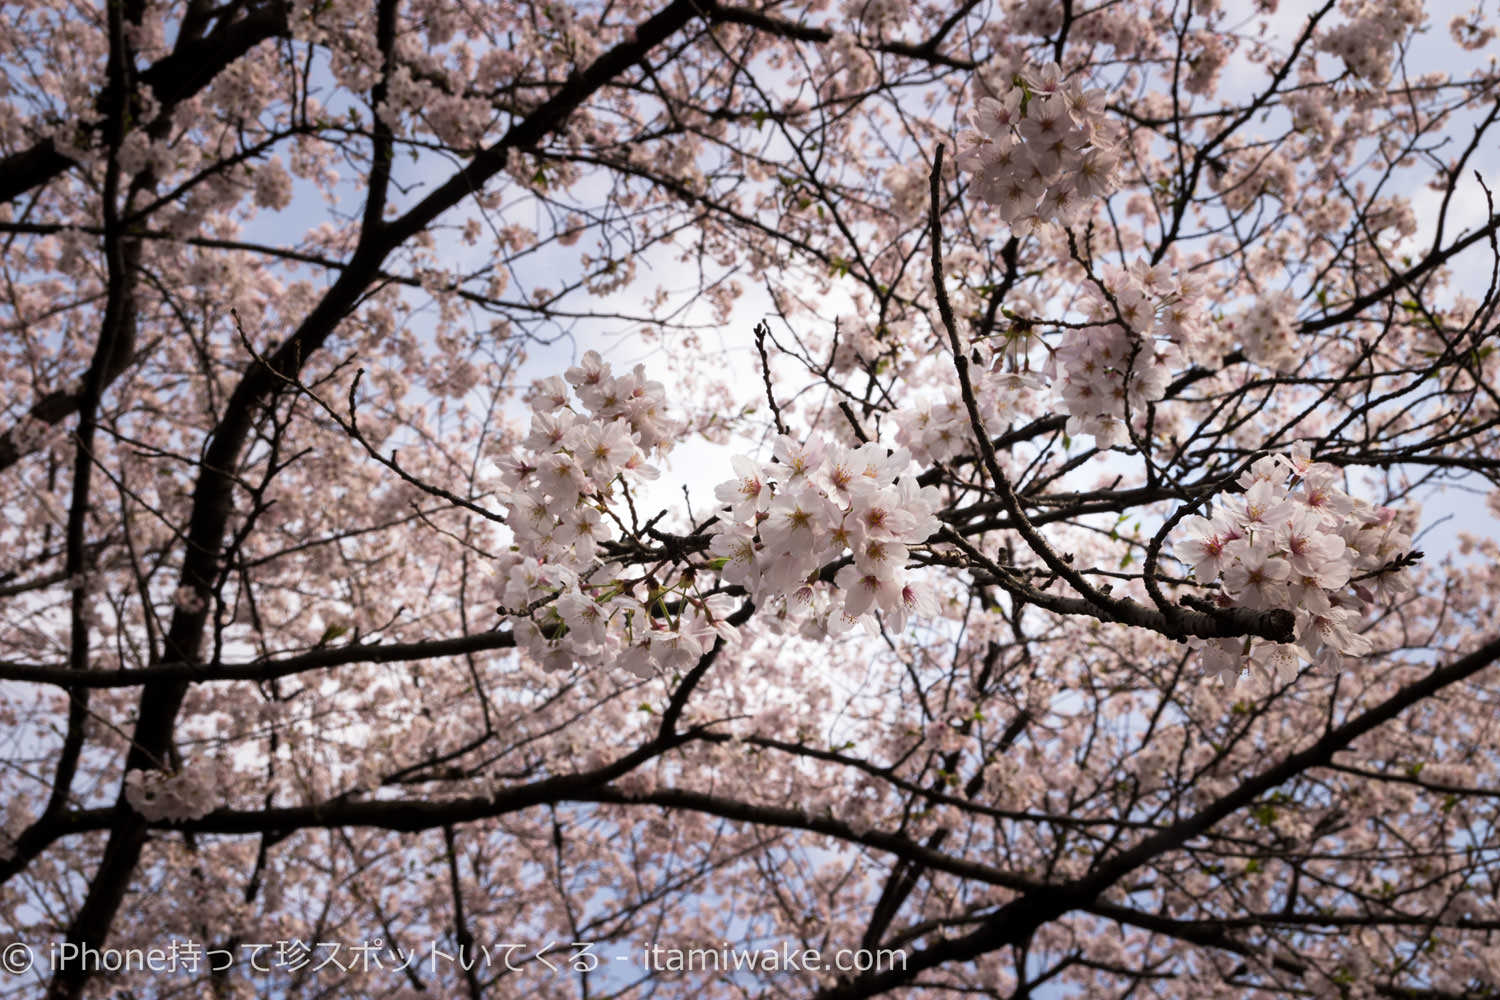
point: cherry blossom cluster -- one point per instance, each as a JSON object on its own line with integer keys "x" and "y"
{"x": 935, "y": 431}
{"x": 1367, "y": 40}
{"x": 15, "y": 822}
{"x": 600, "y": 617}
{"x": 816, "y": 504}
{"x": 854, "y": 69}
{"x": 1041, "y": 152}
{"x": 1253, "y": 175}
{"x": 1148, "y": 321}
{"x": 30, "y": 434}
{"x": 1211, "y": 52}
{"x": 169, "y": 795}
{"x": 1470, "y": 31}
{"x": 875, "y": 14}
{"x": 558, "y": 484}
{"x": 1295, "y": 540}
{"x": 590, "y": 434}
{"x": 1268, "y": 331}
{"x": 1108, "y": 369}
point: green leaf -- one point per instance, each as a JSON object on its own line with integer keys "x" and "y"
{"x": 332, "y": 632}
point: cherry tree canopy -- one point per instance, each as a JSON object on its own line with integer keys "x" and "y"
{"x": 937, "y": 479}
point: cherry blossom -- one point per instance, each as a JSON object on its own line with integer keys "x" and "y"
{"x": 169, "y": 795}
{"x": 829, "y": 500}
{"x": 938, "y": 479}
{"x": 1292, "y": 540}
{"x": 1031, "y": 142}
